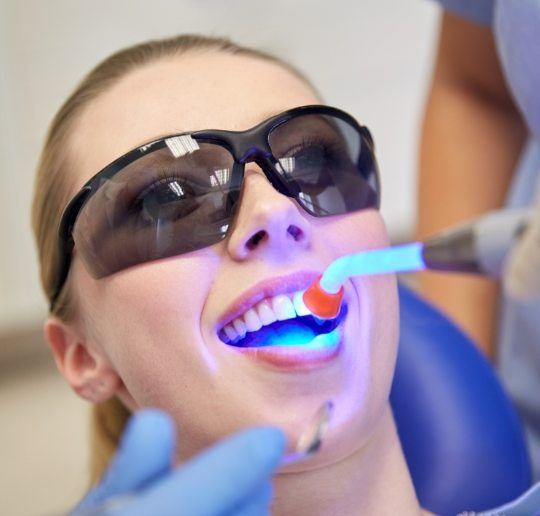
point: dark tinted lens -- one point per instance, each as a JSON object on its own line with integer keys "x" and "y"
{"x": 168, "y": 202}
{"x": 329, "y": 161}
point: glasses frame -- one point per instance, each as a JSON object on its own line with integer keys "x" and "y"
{"x": 247, "y": 146}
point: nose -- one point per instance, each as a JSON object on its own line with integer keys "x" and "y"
{"x": 267, "y": 222}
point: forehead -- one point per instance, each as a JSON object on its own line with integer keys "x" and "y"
{"x": 204, "y": 90}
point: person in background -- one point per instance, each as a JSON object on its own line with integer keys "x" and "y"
{"x": 480, "y": 151}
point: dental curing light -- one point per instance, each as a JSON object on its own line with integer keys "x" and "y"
{"x": 479, "y": 246}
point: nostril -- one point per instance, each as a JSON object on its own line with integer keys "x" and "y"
{"x": 258, "y": 237}
{"x": 295, "y": 232}
{"x": 255, "y": 239}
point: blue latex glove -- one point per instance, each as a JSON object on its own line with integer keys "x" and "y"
{"x": 232, "y": 477}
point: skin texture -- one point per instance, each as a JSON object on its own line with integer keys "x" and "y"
{"x": 471, "y": 140}
{"x": 147, "y": 334}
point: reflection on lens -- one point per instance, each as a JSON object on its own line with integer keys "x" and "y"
{"x": 174, "y": 200}
{"x": 328, "y": 161}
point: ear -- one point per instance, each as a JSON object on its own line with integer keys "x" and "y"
{"x": 87, "y": 370}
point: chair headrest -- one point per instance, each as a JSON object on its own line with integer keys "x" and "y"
{"x": 460, "y": 433}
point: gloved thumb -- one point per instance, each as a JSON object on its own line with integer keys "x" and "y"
{"x": 232, "y": 476}
{"x": 145, "y": 454}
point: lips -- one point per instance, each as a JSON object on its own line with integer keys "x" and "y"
{"x": 266, "y": 289}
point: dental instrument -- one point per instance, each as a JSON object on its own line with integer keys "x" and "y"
{"x": 479, "y": 246}
{"x": 311, "y": 439}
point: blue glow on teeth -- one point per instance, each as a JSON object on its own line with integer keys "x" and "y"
{"x": 326, "y": 340}
{"x": 298, "y": 338}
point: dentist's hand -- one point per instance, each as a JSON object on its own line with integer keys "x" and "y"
{"x": 522, "y": 274}
{"x": 231, "y": 478}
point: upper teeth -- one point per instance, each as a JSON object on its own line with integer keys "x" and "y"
{"x": 267, "y": 311}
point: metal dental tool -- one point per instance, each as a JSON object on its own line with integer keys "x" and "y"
{"x": 311, "y": 439}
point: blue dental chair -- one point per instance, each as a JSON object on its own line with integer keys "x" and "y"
{"x": 461, "y": 435}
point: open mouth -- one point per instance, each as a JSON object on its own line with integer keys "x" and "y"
{"x": 282, "y": 321}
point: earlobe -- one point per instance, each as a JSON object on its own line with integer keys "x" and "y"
{"x": 87, "y": 371}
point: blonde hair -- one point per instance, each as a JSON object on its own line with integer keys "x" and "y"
{"x": 54, "y": 186}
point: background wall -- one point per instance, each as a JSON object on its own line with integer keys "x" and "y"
{"x": 370, "y": 57}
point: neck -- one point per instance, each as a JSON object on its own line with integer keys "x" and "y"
{"x": 374, "y": 479}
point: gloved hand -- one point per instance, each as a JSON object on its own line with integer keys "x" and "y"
{"x": 522, "y": 274}
{"x": 232, "y": 477}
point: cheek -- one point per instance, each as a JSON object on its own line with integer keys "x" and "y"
{"x": 354, "y": 232}
{"x": 379, "y": 296}
{"x": 378, "y": 309}
{"x": 148, "y": 321}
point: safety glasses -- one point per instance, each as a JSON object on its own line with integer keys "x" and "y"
{"x": 180, "y": 193}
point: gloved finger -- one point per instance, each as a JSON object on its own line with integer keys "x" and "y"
{"x": 257, "y": 505}
{"x": 220, "y": 479}
{"x": 145, "y": 454}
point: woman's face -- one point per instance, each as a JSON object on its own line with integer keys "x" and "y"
{"x": 157, "y": 324}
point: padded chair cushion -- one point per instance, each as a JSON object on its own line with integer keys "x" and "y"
{"x": 460, "y": 433}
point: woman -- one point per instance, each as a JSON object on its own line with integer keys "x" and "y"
{"x": 161, "y": 286}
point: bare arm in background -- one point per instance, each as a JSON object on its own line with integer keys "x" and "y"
{"x": 471, "y": 140}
